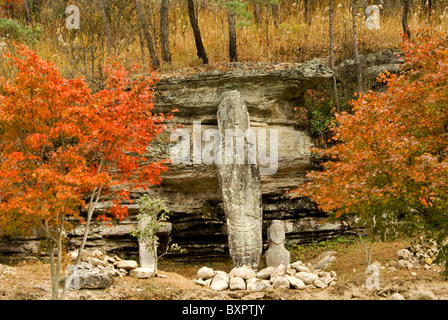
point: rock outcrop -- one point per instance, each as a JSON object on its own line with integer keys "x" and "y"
{"x": 191, "y": 190}
{"x": 98, "y": 270}
{"x": 421, "y": 253}
{"x": 372, "y": 65}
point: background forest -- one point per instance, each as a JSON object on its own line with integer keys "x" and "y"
{"x": 159, "y": 33}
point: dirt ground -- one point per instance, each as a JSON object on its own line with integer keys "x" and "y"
{"x": 31, "y": 281}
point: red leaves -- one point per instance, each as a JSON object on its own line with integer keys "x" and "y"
{"x": 60, "y": 142}
{"x": 391, "y": 152}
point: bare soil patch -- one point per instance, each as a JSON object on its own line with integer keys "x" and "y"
{"x": 31, "y": 281}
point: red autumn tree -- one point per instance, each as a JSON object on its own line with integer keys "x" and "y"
{"x": 63, "y": 148}
{"x": 389, "y": 164}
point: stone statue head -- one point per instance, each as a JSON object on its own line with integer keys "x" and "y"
{"x": 276, "y": 232}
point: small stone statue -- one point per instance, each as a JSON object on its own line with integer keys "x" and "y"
{"x": 147, "y": 257}
{"x": 277, "y": 253}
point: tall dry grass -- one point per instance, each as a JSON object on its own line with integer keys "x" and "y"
{"x": 289, "y": 40}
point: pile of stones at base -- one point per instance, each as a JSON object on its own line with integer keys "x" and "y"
{"x": 293, "y": 276}
{"x": 299, "y": 275}
{"x": 98, "y": 270}
{"x": 97, "y": 262}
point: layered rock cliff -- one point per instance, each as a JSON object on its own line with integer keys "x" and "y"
{"x": 191, "y": 190}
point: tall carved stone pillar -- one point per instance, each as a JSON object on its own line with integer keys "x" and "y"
{"x": 240, "y": 185}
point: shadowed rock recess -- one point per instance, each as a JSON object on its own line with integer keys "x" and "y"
{"x": 192, "y": 191}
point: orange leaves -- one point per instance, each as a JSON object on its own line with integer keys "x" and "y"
{"x": 36, "y": 141}
{"x": 391, "y": 152}
{"x": 59, "y": 142}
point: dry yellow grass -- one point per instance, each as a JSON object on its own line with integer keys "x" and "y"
{"x": 32, "y": 280}
{"x": 289, "y": 40}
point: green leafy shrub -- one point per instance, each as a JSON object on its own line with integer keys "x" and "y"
{"x": 155, "y": 214}
{"x": 11, "y": 29}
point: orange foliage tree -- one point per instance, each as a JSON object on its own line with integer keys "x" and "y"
{"x": 389, "y": 163}
{"x": 64, "y": 148}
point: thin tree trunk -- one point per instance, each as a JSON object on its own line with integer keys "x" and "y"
{"x": 145, "y": 27}
{"x": 267, "y": 26}
{"x": 154, "y": 23}
{"x": 94, "y": 197}
{"x": 289, "y": 9}
{"x": 429, "y": 10}
{"x": 307, "y": 12}
{"x": 275, "y": 13}
{"x": 142, "y": 46}
{"x": 404, "y": 19}
{"x": 54, "y": 285}
{"x": 27, "y": 12}
{"x": 106, "y": 25}
{"x": 55, "y": 267}
{"x": 367, "y": 243}
{"x": 57, "y": 273}
{"x": 355, "y": 47}
{"x": 233, "y": 54}
{"x": 164, "y": 40}
{"x": 196, "y": 31}
{"x": 335, "y": 88}
{"x": 257, "y": 13}
{"x": 431, "y": 5}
